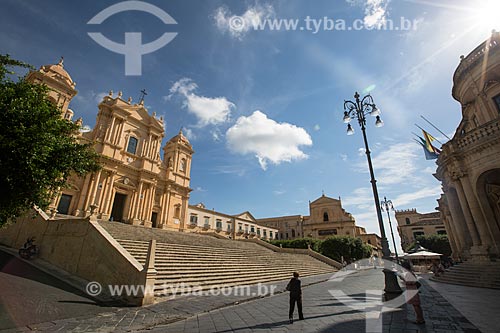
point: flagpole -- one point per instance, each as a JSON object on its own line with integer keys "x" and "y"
{"x": 426, "y": 131}
{"x": 437, "y": 129}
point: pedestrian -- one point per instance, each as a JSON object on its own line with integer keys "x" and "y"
{"x": 294, "y": 287}
{"x": 411, "y": 294}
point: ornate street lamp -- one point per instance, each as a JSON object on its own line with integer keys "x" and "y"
{"x": 387, "y": 206}
{"x": 359, "y": 109}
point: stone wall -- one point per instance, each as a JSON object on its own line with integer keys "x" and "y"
{"x": 80, "y": 247}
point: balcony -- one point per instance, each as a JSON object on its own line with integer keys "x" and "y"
{"x": 193, "y": 224}
{"x": 206, "y": 226}
{"x": 239, "y": 232}
{"x": 218, "y": 229}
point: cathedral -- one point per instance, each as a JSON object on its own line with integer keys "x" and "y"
{"x": 135, "y": 185}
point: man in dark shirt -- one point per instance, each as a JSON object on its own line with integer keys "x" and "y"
{"x": 295, "y": 296}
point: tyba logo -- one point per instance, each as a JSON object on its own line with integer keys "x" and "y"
{"x": 133, "y": 49}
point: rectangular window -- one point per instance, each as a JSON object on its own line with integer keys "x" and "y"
{"x": 228, "y": 226}
{"x": 418, "y": 233}
{"x": 252, "y": 229}
{"x": 270, "y": 234}
{"x": 327, "y": 232}
{"x": 496, "y": 99}
{"x": 240, "y": 226}
{"x": 193, "y": 219}
{"x": 218, "y": 224}
{"x": 132, "y": 145}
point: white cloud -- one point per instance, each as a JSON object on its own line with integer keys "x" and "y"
{"x": 279, "y": 192}
{"x": 316, "y": 127}
{"x": 375, "y": 11}
{"x": 216, "y": 135}
{"x": 407, "y": 198}
{"x": 395, "y": 164}
{"x": 267, "y": 139}
{"x": 343, "y": 157}
{"x": 239, "y": 26}
{"x": 189, "y": 134}
{"x": 207, "y": 110}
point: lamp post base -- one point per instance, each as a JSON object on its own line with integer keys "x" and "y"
{"x": 391, "y": 282}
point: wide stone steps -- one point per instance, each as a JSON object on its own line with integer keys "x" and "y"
{"x": 168, "y": 288}
{"x": 179, "y": 248}
{"x": 205, "y": 262}
{"x": 125, "y": 231}
{"x": 220, "y": 277}
{"x": 473, "y": 274}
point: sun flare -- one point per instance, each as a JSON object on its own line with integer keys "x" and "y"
{"x": 488, "y": 15}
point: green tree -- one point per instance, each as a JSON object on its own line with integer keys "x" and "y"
{"x": 434, "y": 243}
{"x": 38, "y": 149}
{"x": 351, "y": 248}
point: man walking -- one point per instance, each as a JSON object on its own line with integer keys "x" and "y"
{"x": 295, "y": 296}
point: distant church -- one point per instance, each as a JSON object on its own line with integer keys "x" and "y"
{"x": 135, "y": 185}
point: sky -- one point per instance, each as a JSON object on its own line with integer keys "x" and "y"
{"x": 262, "y": 104}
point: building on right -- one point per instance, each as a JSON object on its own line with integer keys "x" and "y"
{"x": 469, "y": 164}
{"x": 412, "y": 224}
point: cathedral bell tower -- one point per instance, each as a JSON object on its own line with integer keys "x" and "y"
{"x": 61, "y": 86}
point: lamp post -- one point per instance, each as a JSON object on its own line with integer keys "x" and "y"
{"x": 387, "y": 206}
{"x": 359, "y": 109}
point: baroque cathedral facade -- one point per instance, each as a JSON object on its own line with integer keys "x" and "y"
{"x": 135, "y": 185}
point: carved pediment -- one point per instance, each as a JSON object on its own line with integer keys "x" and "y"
{"x": 125, "y": 182}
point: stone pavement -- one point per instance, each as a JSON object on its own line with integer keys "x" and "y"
{"x": 479, "y": 305}
{"x": 355, "y": 308}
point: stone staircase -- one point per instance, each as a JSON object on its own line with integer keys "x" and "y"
{"x": 473, "y": 274}
{"x": 204, "y": 262}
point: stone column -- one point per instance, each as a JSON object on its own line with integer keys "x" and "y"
{"x": 80, "y": 207}
{"x": 167, "y": 205}
{"x": 149, "y": 203}
{"x": 450, "y": 235}
{"x": 130, "y": 214}
{"x": 109, "y": 135}
{"x": 161, "y": 216}
{"x": 135, "y": 220}
{"x": 459, "y": 225}
{"x": 182, "y": 217}
{"x": 95, "y": 188}
{"x": 471, "y": 226}
{"x": 480, "y": 222}
{"x": 106, "y": 211}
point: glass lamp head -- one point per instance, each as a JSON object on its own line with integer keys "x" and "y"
{"x": 375, "y": 111}
{"x": 347, "y": 119}
{"x": 350, "y": 130}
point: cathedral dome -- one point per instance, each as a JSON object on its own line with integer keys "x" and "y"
{"x": 58, "y": 73}
{"x": 180, "y": 138}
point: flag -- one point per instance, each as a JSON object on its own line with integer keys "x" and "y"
{"x": 428, "y": 143}
{"x": 429, "y": 155}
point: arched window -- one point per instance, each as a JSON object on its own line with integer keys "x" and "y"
{"x": 132, "y": 145}
{"x": 182, "y": 166}
{"x": 325, "y": 217}
{"x": 177, "y": 211}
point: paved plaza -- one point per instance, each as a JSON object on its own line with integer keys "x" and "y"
{"x": 350, "y": 304}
